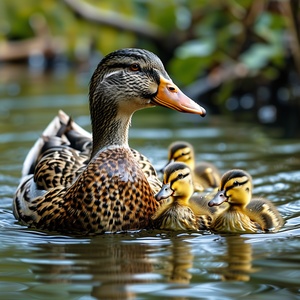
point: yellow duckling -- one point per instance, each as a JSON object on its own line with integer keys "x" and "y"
{"x": 243, "y": 213}
{"x": 106, "y": 190}
{"x": 205, "y": 174}
{"x": 178, "y": 212}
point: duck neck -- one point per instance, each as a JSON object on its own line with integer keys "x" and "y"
{"x": 109, "y": 127}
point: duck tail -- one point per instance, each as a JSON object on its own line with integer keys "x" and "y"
{"x": 33, "y": 154}
{"x": 62, "y": 130}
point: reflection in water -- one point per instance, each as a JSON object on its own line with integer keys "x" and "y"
{"x": 238, "y": 259}
{"x": 108, "y": 264}
{"x": 115, "y": 267}
{"x": 111, "y": 265}
{"x": 176, "y": 266}
{"x": 137, "y": 266}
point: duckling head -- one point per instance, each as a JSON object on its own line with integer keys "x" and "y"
{"x": 177, "y": 183}
{"x": 235, "y": 188}
{"x": 181, "y": 151}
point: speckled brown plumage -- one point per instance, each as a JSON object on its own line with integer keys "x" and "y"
{"x": 148, "y": 170}
{"x": 59, "y": 167}
{"x": 112, "y": 194}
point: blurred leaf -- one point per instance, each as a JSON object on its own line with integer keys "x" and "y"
{"x": 163, "y": 13}
{"x": 196, "y": 48}
{"x": 267, "y": 22}
{"x": 186, "y": 70}
{"x": 259, "y": 55}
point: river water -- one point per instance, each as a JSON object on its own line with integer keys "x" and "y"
{"x": 148, "y": 264}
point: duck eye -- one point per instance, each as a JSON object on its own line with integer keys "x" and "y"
{"x": 236, "y": 183}
{"x": 134, "y": 67}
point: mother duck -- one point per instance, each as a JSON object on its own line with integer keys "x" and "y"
{"x": 62, "y": 191}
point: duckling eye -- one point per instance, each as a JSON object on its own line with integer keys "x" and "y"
{"x": 236, "y": 183}
{"x": 185, "y": 153}
{"x": 180, "y": 176}
{"x": 134, "y": 67}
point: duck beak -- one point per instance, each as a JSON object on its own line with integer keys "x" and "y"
{"x": 169, "y": 95}
{"x": 218, "y": 199}
{"x": 164, "y": 193}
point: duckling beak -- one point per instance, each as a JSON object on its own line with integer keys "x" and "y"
{"x": 218, "y": 199}
{"x": 164, "y": 193}
{"x": 169, "y": 95}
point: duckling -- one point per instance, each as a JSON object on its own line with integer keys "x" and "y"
{"x": 243, "y": 213}
{"x": 178, "y": 212}
{"x": 105, "y": 190}
{"x": 205, "y": 174}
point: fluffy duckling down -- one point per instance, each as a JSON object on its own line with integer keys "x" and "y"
{"x": 177, "y": 212}
{"x": 243, "y": 213}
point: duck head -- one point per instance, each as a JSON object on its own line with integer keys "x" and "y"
{"x": 125, "y": 81}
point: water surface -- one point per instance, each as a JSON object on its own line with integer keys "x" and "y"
{"x": 149, "y": 264}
